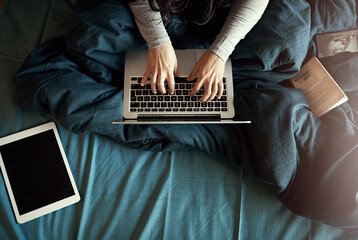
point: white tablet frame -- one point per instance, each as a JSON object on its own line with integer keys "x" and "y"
{"x": 51, "y": 207}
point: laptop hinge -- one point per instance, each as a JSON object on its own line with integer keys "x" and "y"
{"x": 179, "y": 117}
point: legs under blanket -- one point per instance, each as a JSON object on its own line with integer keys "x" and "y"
{"x": 78, "y": 80}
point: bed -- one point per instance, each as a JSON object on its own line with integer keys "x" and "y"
{"x": 129, "y": 193}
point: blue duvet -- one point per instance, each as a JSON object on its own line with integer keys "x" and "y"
{"x": 78, "y": 80}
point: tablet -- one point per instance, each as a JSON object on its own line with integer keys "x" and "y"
{"x": 36, "y": 172}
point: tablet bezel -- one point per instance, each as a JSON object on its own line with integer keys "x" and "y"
{"x": 22, "y": 218}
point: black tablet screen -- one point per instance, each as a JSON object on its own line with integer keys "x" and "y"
{"x": 36, "y": 171}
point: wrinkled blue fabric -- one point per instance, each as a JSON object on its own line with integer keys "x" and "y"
{"x": 78, "y": 79}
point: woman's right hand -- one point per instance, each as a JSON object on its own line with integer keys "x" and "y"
{"x": 162, "y": 65}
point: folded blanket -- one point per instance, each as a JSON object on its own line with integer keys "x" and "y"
{"x": 78, "y": 80}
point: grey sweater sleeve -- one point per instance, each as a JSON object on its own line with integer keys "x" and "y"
{"x": 242, "y": 17}
{"x": 150, "y": 23}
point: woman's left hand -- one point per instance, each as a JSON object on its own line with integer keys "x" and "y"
{"x": 210, "y": 70}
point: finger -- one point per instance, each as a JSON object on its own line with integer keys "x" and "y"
{"x": 171, "y": 83}
{"x": 160, "y": 83}
{"x": 145, "y": 78}
{"x": 193, "y": 74}
{"x": 207, "y": 92}
{"x": 214, "y": 91}
{"x": 221, "y": 88}
{"x": 153, "y": 82}
{"x": 196, "y": 88}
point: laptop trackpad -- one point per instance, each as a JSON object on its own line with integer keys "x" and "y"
{"x": 186, "y": 62}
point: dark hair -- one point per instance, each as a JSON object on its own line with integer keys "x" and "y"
{"x": 197, "y": 11}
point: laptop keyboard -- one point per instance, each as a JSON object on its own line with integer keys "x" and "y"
{"x": 142, "y": 99}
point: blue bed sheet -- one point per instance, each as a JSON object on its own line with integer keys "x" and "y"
{"x": 129, "y": 193}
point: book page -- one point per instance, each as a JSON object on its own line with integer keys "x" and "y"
{"x": 320, "y": 89}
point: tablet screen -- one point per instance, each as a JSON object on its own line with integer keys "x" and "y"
{"x": 36, "y": 171}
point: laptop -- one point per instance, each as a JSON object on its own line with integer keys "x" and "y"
{"x": 142, "y": 106}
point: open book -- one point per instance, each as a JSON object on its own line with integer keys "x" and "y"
{"x": 322, "y": 92}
